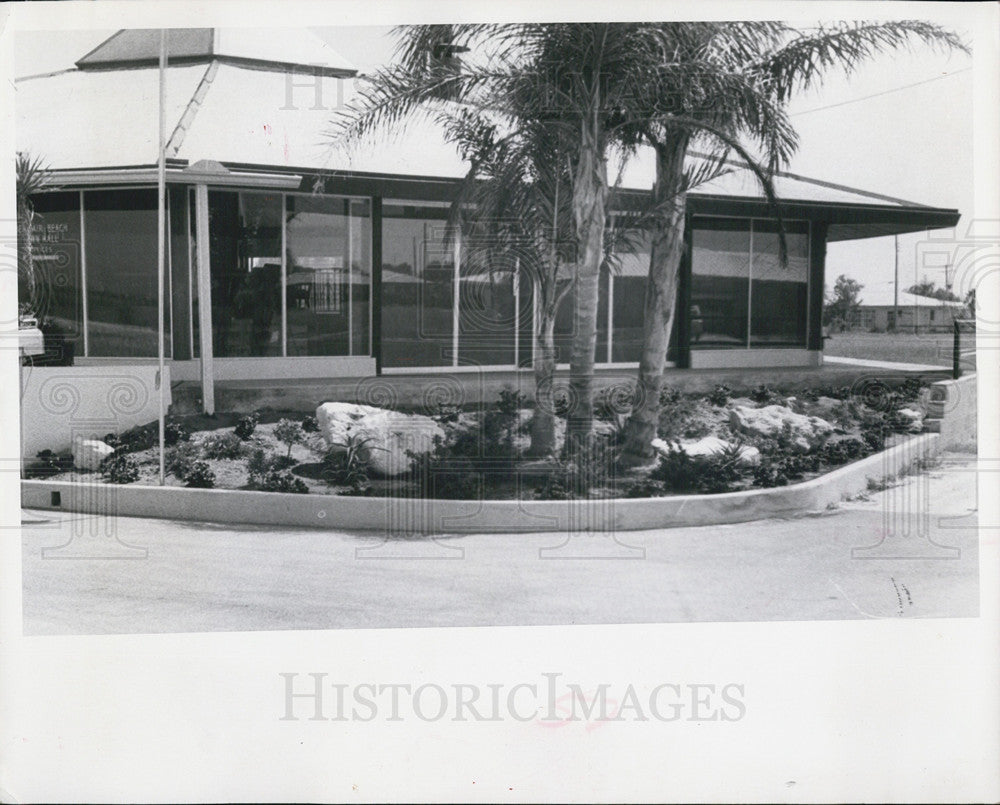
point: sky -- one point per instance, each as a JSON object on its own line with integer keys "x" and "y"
{"x": 901, "y": 126}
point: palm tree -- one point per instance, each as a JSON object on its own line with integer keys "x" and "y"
{"x": 513, "y": 210}
{"x": 573, "y": 79}
{"x": 728, "y": 83}
{"x": 31, "y": 179}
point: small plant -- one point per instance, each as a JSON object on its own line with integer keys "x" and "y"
{"x": 261, "y": 462}
{"x": 762, "y": 394}
{"x": 278, "y": 481}
{"x": 222, "y": 445}
{"x": 680, "y": 472}
{"x": 310, "y": 425}
{"x": 134, "y": 440}
{"x": 719, "y": 396}
{"x": 669, "y": 396}
{"x": 500, "y": 424}
{"x": 199, "y": 476}
{"x": 440, "y": 476}
{"x": 558, "y": 485}
{"x": 348, "y": 463}
{"x": 447, "y": 414}
{"x": 877, "y": 484}
{"x": 246, "y": 426}
{"x": 120, "y": 468}
{"x": 47, "y": 464}
{"x": 289, "y": 433}
{"x": 769, "y": 473}
{"x": 174, "y": 432}
{"x": 181, "y": 459}
{"x": 644, "y": 488}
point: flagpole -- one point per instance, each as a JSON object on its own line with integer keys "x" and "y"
{"x": 161, "y": 242}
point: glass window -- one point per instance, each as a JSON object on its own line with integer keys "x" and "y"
{"x": 245, "y": 261}
{"x": 565, "y": 328}
{"x": 720, "y": 278}
{"x": 418, "y": 272}
{"x": 122, "y": 298}
{"x": 57, "y": 302}
{"x": 328, "y": 283}
{"x": 778, "y": 294}
{"x": 487, "y": 310}
{"x": 182, "y": 277}
{"x": 629, "y": 299}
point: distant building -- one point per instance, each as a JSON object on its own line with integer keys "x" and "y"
{"x": 879, "y": 313}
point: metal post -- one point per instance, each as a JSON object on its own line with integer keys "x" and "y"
{"x": 161, "y": 245}
{"x": 956, "y": 353}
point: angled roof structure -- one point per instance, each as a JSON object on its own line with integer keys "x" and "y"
{"x": 883, "y": 295}
{"x": 264, "y": 100}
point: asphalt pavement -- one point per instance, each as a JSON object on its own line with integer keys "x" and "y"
{"x": 909, "y": 551}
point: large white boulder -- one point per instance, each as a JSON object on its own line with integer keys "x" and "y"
{"x": 89, "y": 453}
{"x": 807, "y": 432}
{"x": 707, "y": 446}
{"x": 390, "y": 434}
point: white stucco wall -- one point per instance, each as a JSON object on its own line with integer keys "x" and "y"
{"x": 61, "y": 402}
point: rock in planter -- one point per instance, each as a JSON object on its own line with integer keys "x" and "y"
{"x": 807, "y": 432}
{"x": 390, "y": 433}
{"x": 914, "y": 418}
{"x": 707, "y": 446}
{"x": 89, "y": 453}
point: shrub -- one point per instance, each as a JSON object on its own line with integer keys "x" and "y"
{"x": 47, "y": 464}
{"x": 447, "y": 414}
{"x": 719, "y": 396}
{"x": 260, "y": 462}
{"x": 347, "y": 463}
{"x": 246, "y": 426}
{"x": 669, "y": 396}
{"x": 557, "y": 486}
{"x": 289, "y": 433}
{"x": 762, "y": 394}
{"x": 677, "y": 418}
{"x": 440, "y": 476}
{"x": 718, "y": 472}
{"x": 278, "y": 481}
{"x": 181, "y": 459}
{"x": 174, "y": 432}
{"x": 769, "y": 473}
{"x": 199, "y": 476}
{"x": 134, "y": 440}
{"x": 222, "y": 445}
{"x": 644, "y": 488}
{"x": 310, "y": 425}
{"x": 500, "y": 423}
{"x": 120, "y": 468}
{"x": 843, "y": 451}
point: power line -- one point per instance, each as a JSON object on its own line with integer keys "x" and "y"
{"x": 879, "y": 94}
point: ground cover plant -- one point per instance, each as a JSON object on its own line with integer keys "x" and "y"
{"x": 484, "y": 451}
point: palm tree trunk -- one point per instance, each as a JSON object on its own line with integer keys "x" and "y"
{"x": 590, "y": 193}
{"x": 661, "y": 298}
{"x": 543, "y": 422}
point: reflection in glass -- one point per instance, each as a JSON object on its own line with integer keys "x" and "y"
{"x": 122, "y": 299}
{"x": 720, "y": 272}
{"x": 328, "y": 282}
{"x": 55, "y": 243}
{"x": 778, "y": 294}
{"x": 418, "y": 272}
{"x": 245, "y": 261}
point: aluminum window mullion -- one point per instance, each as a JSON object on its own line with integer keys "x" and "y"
{"x": 750, "y": 286}
{"x": 457, "y": 251}
{"x": 284, "y": 276}
{"x": 350, "y": 278}
{"x": 83, "y": 279}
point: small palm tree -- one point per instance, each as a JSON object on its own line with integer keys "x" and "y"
{"x": 32, "y": 178}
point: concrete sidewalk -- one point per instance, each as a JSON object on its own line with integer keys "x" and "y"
{"x": 189, "y": 577}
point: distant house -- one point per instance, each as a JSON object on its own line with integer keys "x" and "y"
{"x": 879, "y": 312}
{"x": 288, "y": 260}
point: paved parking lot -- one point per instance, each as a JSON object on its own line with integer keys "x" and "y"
{"x": 81, "y": 576}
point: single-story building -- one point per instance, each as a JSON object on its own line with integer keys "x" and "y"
{"x": 882, "y": 310}
{"x": 290, "y": 259}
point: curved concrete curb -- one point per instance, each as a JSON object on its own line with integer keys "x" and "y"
{"x": 406, "y": 516}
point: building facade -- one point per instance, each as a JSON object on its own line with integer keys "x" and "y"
{"x": 290, "y": 258}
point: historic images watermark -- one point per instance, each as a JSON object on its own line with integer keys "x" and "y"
{"x": 549, "y": 700}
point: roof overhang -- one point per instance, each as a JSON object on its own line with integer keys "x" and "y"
{"x": 199, "y": 173}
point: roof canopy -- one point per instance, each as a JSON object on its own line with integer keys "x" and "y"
{"x": 255, "y": 100}
{"x": 275, "y": 47}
